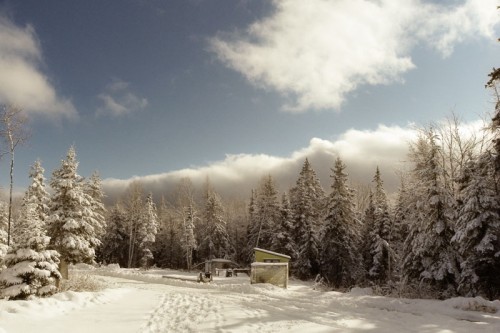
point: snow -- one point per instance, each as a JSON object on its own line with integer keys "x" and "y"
{"x": 145, "y": 301}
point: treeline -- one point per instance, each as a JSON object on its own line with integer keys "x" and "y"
{"x": 439, "y": 237}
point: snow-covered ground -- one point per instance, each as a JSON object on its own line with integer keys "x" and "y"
{"x": 147, "y": 302}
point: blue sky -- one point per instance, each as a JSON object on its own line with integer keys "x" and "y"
{"x": 149, "y": 87}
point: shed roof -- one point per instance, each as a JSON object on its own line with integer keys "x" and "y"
{"x": 271, "y": 252}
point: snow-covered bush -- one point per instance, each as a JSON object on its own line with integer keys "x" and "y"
{"x": 82, "y": 282}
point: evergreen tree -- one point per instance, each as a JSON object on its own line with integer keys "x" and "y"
{"x": 114, "y": 248}
{"x": 93, "y": 188}
{"x": 31, "y": 268}
{"x": 340, "y": 259}
{"x": 283, "y": 239}
{"x": 428, "y": 254}
{"x": 307, "y": 201}
{"x": 37, "y": 194}
{"x": 380, "y": 234}
{"x": 215, "y": 243}
{"x": 189, "y": 239}
{"x": 478, "y": 230}
{"x": 71, "y": 223}
{"x": 147, "y": 231}
{"x": 252, "y": 227}
{"x": 268, "y": 212}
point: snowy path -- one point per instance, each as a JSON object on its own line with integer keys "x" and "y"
{"x": 136, "y": 304}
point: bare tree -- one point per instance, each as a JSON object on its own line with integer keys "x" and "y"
{"x": 14, "y": 130}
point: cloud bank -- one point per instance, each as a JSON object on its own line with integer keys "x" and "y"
{"x": 118, "y": 100}
{"x": 318, "y": 51}
{"x": 236, "y": 175}
{"x": 22, "y": 82}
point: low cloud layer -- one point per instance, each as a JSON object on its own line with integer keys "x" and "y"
{"x": 22, "y": 82}
{"x": 318, "y": 51}
{"x": 236, "y": 175}
{"x": 118, "y": 99}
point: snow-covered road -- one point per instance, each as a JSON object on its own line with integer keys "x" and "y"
{"x": 148, "y": 303}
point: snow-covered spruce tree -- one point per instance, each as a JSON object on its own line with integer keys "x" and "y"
{"x": 252, "y": 227}
{"x": 283, "y": 239}
{"x": 400, "y": 225}
{"x": 147, "y": 231}
{"x": 307, "y": 201}
{"x": 93, "y": 187}
{"x": 216, "y": 242}
{"x": 478, "y": 229}
{"x": 380, "y": 233}
{"x": 428, "y": 253}
{"x": 114, "y": 247}
{"x": 189, "y": 239}
{"x": 31, "y": 268}
{"x": 71, "y": 223}
{"x": 340, "y": 258}
{"x": 267, "y": 213}
{"x": 4, "y": 220}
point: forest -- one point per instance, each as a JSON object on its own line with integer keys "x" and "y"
{"x": 437, "y": 237}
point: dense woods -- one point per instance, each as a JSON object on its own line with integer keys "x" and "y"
{"x": 438, "y": 236}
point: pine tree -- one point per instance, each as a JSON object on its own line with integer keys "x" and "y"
{"x": 283, "y": 239}
{"x": 428, "y": 254}
{"x": 252, "y": 227}
{"x": 93, "y": 188}
{"x": 71, "y": 224}
{"x": 37, "y": 194}
{"x": 216, "y": 242}
{"x": 340, "y": 259}
{"x": 147, "y": 231}
{"x": 307, "y": 201}
{"x": 267, "y": 212}
{"x": 31, "y": 268}
{"x": 380, "y": 234}
{"x": 114, "y": 248}
{"x": 478, "y": 230}
{"x": 189, "y": 239}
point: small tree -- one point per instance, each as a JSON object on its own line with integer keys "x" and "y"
{"x": 31, "y": 268}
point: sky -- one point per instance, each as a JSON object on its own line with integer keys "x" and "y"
{"x": 235, "y": 89}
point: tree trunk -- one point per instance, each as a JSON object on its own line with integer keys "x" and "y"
{"x": 11, "y": 187}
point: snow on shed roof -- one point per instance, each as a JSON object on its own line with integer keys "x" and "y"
{"x": 271, "y": 252}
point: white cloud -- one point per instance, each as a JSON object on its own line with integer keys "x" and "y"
{"x": 318, "y": 51}
{"x": 362, "y": 151}
{"x": 118, "y": 99}
{"x": 21, "y": 80}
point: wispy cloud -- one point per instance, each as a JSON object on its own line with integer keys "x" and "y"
{"x": 22, "y": 82}
{"x": 318, "y": 51}
{"x": 118, "y": 100}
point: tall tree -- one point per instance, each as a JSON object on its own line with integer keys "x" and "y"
{"x": 147, "y": 232}
{"x": 307, "y": 201}
{"x": 216, "y": 242}
{"x": 340, "y": 259}
{"x": 71, "y": 224}
{"x": 283, "y": 239}
{"x": 428, "y": 254}
{"x": 478, "y": 230}
{"x": 267, "y": 214}
{"x": 15, "y": 132}
{"x": 380, "y": 234}
{"x": 93, "y": 188}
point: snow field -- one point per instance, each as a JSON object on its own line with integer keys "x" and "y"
{"x": 145, "y": 302}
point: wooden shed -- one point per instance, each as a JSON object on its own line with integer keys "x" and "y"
{"x": 270, "y": 267}
{"x": 262, "y": 255}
